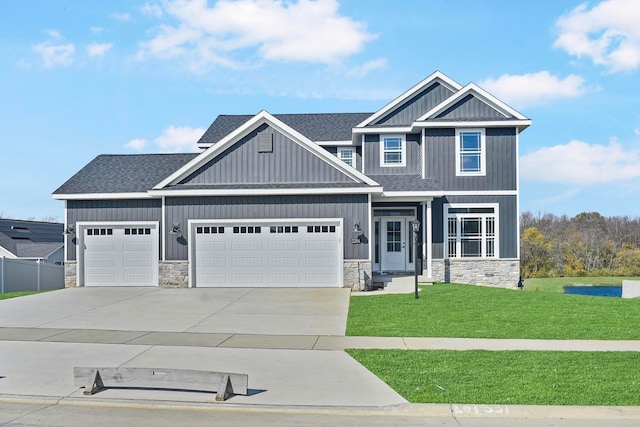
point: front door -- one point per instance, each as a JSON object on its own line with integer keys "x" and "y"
{"x": 394, "y": 244}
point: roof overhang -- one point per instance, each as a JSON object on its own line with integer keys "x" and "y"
{"x": 102, "y": 196}
{"x": 263, "y": 192}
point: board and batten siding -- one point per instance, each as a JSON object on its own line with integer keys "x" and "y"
{"x": 111, "y": 211}
{"x": 353, "y": 208}
{"x": 508, "y": 210}
{"x": 468, "y": 108}
{"x": 357, "y": 154}
{"x": 246, "y": 162}
{"x": 501, "y": 159}
{"x": 415, "y": 107}
{"x": 372, "y": 156}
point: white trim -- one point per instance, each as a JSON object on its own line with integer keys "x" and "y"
{"x": 483, "y": 152}
{"x": 334, "y": 143}
{"x": 520, "y": 124}
{"x": 363, "y": 151}
{"x": 192, "y": 223}
{"x": 518, "y": 193}
{"x": 102, "y": 196}
{"x": 65, "y": 235}
{"x": 483, "y": 193}
{"x": 261, "y": 118}
{"x": 162, "y": 229}
{"x": 4, "y": 253}
{"x": 370, "y": 235}
{"x": 429, "y": 239}
{"x": 405, "y": 129}
{"x": 420, "y": 195}
{"x": 437, "y": 76}
{"x": 402, "y": 151}
{"x": 478, "y": 92}
{"x": 267, "y": 192}
{"x": 82, "y": 225}
{"x": 445, "y": 229}
{"x": 423, "y": 136}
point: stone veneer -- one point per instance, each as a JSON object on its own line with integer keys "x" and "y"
{"x": 356, "y": 273}
{"x": 70, "y": 274}
{"x": 173, "y": 274}
{"x": 500, "y": 273}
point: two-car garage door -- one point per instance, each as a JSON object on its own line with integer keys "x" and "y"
{"x": 267, "y": 253}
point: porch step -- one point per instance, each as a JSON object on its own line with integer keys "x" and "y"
{"x": 397, "y": 283}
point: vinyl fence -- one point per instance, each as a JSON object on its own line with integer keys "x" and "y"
{"x": 17, "y": 275}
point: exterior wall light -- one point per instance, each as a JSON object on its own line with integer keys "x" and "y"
{"x": 69, "y": 230}
{"x": 175, "y": 228}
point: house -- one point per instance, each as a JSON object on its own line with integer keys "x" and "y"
{"x": 310, "y": 199}
{"x": 32, "y": 240}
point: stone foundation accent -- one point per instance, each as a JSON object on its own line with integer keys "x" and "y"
{"x": 70, "y": 274}
{"x": 173, "y": 274}
{"x": 356, "y": 273}
{"x": 499, "y": 273}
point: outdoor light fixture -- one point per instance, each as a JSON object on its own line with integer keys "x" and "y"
{"x": 69, "y": 230}
{"x": 356, "y": 233}
{"x": 175, "y": 228}
{"x": 415, "y": 227}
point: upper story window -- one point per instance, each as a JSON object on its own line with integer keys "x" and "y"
{"x": 346, "y": 155}
{"x": 393, "y": 151}
{"x": 470, "y": 152}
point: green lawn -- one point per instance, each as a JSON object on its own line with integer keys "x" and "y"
{"x": 452, "y": 310}
{"x": 556, "y": 284}
{"x": 508, "y": 377}
{"x": 16, "y": 294}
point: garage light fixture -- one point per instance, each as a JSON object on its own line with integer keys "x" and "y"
{"x": 175, "y": 228}
{"x": 69, "y": 230}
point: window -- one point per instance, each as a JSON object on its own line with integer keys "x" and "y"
{"x": 470, "y": 152}
{"x": 471, "y": 231}
{"x": 392, "y": 151}
{"x": 346, "y": 155}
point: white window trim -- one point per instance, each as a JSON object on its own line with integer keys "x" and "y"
{"x": 351, "y": 157}
{"x": 495, "y": 215}
{"x": 403, "y": 151}
{"x": 483, "y": 153}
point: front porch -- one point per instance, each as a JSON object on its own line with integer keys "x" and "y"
{"x": 396, "y": 283}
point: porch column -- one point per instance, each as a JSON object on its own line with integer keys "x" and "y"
{"x": 427, "y": 237}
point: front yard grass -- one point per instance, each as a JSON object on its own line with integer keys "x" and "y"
{"x": 452, "y": 310}
{"x": 16, "y": 294}
{"x": 508, "y": 377}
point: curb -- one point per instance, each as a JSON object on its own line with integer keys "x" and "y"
{"x": 421, "y": 410}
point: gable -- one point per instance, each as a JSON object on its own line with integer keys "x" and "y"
{"x": 470, "y": 108}
{"x": 265, "y": 156}
{"x": 416, "y": 106}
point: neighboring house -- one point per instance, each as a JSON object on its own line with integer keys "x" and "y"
{"x": 32, "y": 240}
{"x": 310, "y": 199}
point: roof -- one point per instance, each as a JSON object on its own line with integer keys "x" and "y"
{"x": 30, "y": 239}
{"x": 316, "y": 127}
{"x": 124, "y": 173}
{"x": 406, "y": 183}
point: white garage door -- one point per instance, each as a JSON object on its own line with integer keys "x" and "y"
{"x": 293, "y": 254}
{"x": 120, "y": 255}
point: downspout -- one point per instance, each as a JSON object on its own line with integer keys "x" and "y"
{"x": 1, "y": 275}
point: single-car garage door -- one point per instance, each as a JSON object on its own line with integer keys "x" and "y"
{"x": 268, "y": 254}
{"x": 120, "y": 255}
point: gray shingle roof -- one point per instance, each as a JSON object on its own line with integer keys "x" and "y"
{"x": 36, "y": 250}
{"x": 316, "y": 127}
{"x": 31, "y": 237}
{"x": 406, "y": 183}
{"x": 124, "y": 173}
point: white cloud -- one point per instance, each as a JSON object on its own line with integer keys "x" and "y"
{"x": 581, "y": 163}
{"x": 175, "y": 139}
{"x": 151, "y": 9}
{"x": 54, "y": 34}
{"x": 534, "y": 88}
{"x": 367, "y": 67}
{"x": 98, "y": 49}
{"x": 137, "y": 144}
{"x": 302, "y": 31}
{"x": 96, "y": 30}
{"x": 608, "y": 33}
{"x": 121, "y": 16}
{"x": 569, "y": 194}
{"x": 54, "y": 55}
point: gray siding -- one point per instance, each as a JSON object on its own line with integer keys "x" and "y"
{"x": 415, "y": 107}
{"x": 508, "y": 222}
{"x": 357, "y": 153}
{"x": 470, "y": 107}
{"x": 111, "y": 210}
{"x": 352, "y": 208}
{"x": 287, "y": 163}
{"x": 501, "y": 160}
{"x": 372, "y": 156}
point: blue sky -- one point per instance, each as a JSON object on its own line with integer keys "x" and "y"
{"x": 84, "y": 78}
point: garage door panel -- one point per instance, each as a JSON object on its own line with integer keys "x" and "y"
{"x": 212, "y": 246}
{"x": 264, "y": 254}
{"x": 120, "y": 255}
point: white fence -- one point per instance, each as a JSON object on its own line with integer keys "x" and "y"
{"x": 17, "y": 275}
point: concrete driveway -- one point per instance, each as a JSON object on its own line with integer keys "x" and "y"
{"x": 272, "y": 311}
